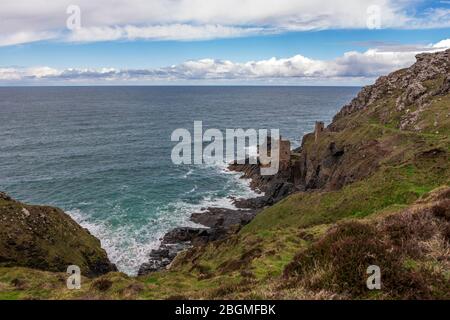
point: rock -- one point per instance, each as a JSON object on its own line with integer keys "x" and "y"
{"x": 411, "y": 82}
{"x": 402, "y": 98}
{"x": 26, "y": 212}
{"x": 275, "y": 187}
{"x": 160, "y": 258}
{"x": 221, "y": 217}
{"x": 445, "y": 88}
{"x": 46, "y": 238}
{"x": 277, "y": 191}
{"x": 181, "y": 234}
{"x": 411, "y": 94}
{"x": 250, "y": 203}
{"x": 178, "y": 239}
{"x": 4, "y": 196}
{"x": 221, "y": 223}
{"x": 173, "y": 242}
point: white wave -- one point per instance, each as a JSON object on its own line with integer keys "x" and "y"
{"x": 192, "y": 190}
{"x": 188, "y": 173}
{"x": 121, "y": 244}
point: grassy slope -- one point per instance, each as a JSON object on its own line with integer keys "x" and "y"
{"x": 46, "y": 238}
{"x": 251, "y": 263}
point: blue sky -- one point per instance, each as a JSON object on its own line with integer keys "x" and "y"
{"x": 189, "y": 41}
{"x": 327, "y": 44}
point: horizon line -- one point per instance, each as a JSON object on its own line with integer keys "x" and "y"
{"x": 178, "y": 85}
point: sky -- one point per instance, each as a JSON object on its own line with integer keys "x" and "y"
{"x": 215, "y": 42}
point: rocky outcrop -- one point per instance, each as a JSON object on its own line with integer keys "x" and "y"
{"x": 221, "y": 222}
{"x": 160, "y": 258}
{"x": 46, "y": 238}
{"x": 222, "y": 217}
{"x": 275, "y": 187}
{"x": 348, "y": 150}
{"x": 409, "y": 86}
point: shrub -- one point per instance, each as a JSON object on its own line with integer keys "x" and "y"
{"x": 405, "y": 231}
{"x": 101, "y": 284}
{"x": 338, "y": 262}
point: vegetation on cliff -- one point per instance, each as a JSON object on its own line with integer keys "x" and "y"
{"x": 43, "y": 237}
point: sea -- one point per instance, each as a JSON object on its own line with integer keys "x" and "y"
{"x": 103, "y": 154}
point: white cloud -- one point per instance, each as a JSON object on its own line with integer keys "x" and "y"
{"x": 24, "y": 21}
{"x": 93, "y": 34}
{"x": 160, "y": 32}
{"x": 352, "y": 65}
{"x": 42, "y": 72}
{"x": 20, "y": 74}
{"x": 10, "y": 74}
{"x": 442, "y": 44}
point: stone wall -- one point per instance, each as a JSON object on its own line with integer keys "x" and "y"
{"x": 285, "y": 154}
{"x": 318, "y": 130}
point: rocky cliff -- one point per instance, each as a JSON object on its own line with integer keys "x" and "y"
{"x": 412, "y": 88}
{"x": 46, "y": 238}
{"x": 365, "y": 133}
{"x": 356, "y": 142}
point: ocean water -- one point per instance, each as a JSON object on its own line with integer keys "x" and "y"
{"x": 102, "y": 154}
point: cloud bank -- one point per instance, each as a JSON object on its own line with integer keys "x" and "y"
{"x": 352, "y": 65}
{"x": 24, "y": 21}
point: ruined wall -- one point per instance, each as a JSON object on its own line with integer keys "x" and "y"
{"x": 285, "y": 154}
{"x": 318, "y": 130}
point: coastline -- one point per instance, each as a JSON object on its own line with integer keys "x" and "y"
{"x": 215, "y": 223}
{"x": 371, "y": 188}
{"x": 220, "y": 222}
{"x": 139, "y": 251}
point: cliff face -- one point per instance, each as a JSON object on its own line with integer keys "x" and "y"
{"x": 46, "y": 238}
{"x": 412, "y": 89}
{"x": 365, "y": 133}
